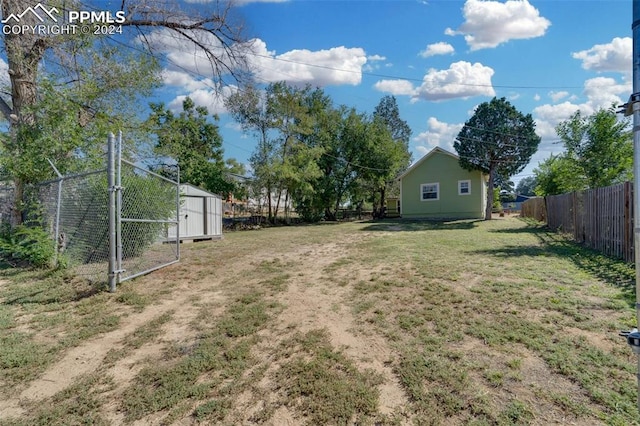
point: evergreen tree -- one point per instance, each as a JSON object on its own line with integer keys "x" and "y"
{"x": 497, "y": 140}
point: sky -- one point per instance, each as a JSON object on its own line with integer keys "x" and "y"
{"x": 439, "y": 58}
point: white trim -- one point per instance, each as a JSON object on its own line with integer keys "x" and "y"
{"x": 437, "y": 185}
{"x": 468, "y": 182}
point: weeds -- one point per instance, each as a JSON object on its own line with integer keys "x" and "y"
{"x": 480, "y": 318}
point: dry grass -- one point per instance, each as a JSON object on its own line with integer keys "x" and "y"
{"x": 465, "y": 322}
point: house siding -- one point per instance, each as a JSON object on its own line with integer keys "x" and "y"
{"x": 444, "y": 169}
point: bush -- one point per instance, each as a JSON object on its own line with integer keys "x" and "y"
{"x": 27, "y": 244}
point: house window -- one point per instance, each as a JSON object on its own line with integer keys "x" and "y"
{"x": 430, "y": 191}
{"x": 464, "y": 187}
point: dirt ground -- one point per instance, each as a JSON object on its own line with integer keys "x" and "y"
{"x": 316, "y": 294}
{"x": 311, "y": 301}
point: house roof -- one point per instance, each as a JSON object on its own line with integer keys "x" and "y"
{"x": 434, "y": 151}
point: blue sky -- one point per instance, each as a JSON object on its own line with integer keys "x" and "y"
{"x": 439, "y": 58}
{"x": 443, "y": 58}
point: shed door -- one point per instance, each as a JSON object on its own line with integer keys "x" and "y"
{"x": 192, "y": 217}
{"x": 214, "y": 212}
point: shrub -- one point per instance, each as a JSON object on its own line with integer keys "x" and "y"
{"x": 30, "y": 244}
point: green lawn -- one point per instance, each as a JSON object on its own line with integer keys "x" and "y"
{"x": 494, "y": 323}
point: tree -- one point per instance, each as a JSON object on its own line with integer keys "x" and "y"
{"x": 248, "y": 106}
{"x": 396, "y": 154}
{"x": 558, "y": 174}
{"x": 86, "y": 71}
{"x": 527, "y": 185}
{"x": 497, "y": 140}
{"x": 598, "y": 153}
{"x": 194, "y": 142}
{"x": 600, "y": 146}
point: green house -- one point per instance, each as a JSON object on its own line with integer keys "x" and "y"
{"x": 436, "y": 187}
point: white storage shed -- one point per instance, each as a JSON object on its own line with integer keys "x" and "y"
{"x": 200, "y": 215}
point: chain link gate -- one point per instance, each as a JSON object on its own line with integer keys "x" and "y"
{"x": 143, "y": 206}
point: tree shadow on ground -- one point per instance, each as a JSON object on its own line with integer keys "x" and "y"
{"x": 45, "y": 287}
{"x": 614, "y": 272}
{"x": 391, "y": 225}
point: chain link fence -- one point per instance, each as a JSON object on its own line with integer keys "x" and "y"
{"x": 108, "y": 225}
{"x": 74, "y": 209}
{"x": 147, "y": 207}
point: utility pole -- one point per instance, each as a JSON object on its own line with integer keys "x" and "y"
{"x": 632, "y": 107}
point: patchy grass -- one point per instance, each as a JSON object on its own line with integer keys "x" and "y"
{"x": 497, "y": 323}
{"x": 324, "y": 384}
{"x": 209, "y": 371}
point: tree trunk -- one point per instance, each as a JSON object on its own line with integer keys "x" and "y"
{"x": 24, "y": 52}
{"x": 269, "y": 203}
{"x": 489, "y": 207}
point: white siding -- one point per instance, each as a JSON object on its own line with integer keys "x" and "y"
{"x": 200, "y": 214}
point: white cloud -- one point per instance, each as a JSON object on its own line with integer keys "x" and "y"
{"x": 439, "y": 134}
{"x": 335, "y": 66}
{"x": 557, "y": 96}
{"x": 491, "y": 23}
{"x": 190, "y": 72}
{"x": 615, "y": 56}
{"x": 376, "y": 58}
{"x": 600, "y": 92}
{"x": 373, "y": 63}
{"x": 536, "y": 97}
{"x": 395, "y": 87}
{"x": 548, "y": 116}
{"x": 183, "y": 55}
{"x": 440, "y": 48}
{"x": 461, "y": 80}
{"x": 212, "y": 99}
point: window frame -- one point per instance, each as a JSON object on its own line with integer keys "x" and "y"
{"x": 437, "y": 191}
{"x": 468, "y": 182}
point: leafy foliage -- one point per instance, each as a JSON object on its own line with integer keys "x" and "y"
{"x": 527, "y": 185}
{"x": 598, "y": 153}
{"x": 316, "y": 155}
{"x": 66, "y": 90}
{"x": 194, "y": 143}
{"x": 498, "y": 140}
{"x": 30, "y": 244}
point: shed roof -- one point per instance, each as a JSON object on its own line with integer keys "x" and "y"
{"x": 193, "y": 191}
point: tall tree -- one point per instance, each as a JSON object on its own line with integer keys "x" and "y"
{"x": 600, "y": 145}
{"x": 291, "y": 120}
{"x": 85, "y": 70}
{"x": 497, "y": 139}
{"x": 248, "y": 106}
{"x": 396, "y": 154}
{"x": 194, "y": 142}
{"x": 527, "y": 186}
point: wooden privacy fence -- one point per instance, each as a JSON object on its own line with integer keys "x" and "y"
{"x": 600, "y": 218}
{"x": 534, "y": 208}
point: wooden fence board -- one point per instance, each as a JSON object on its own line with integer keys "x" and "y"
{"x": 600, "y": 218}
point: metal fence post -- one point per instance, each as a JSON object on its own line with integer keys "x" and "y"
{"x": 118, "y": 189}
{"x": 178, "y": 212}
{"x": 112, "y": 211}
{"x": 58, "y": 239}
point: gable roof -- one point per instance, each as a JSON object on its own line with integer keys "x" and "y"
{"x": 429, "y": 154}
